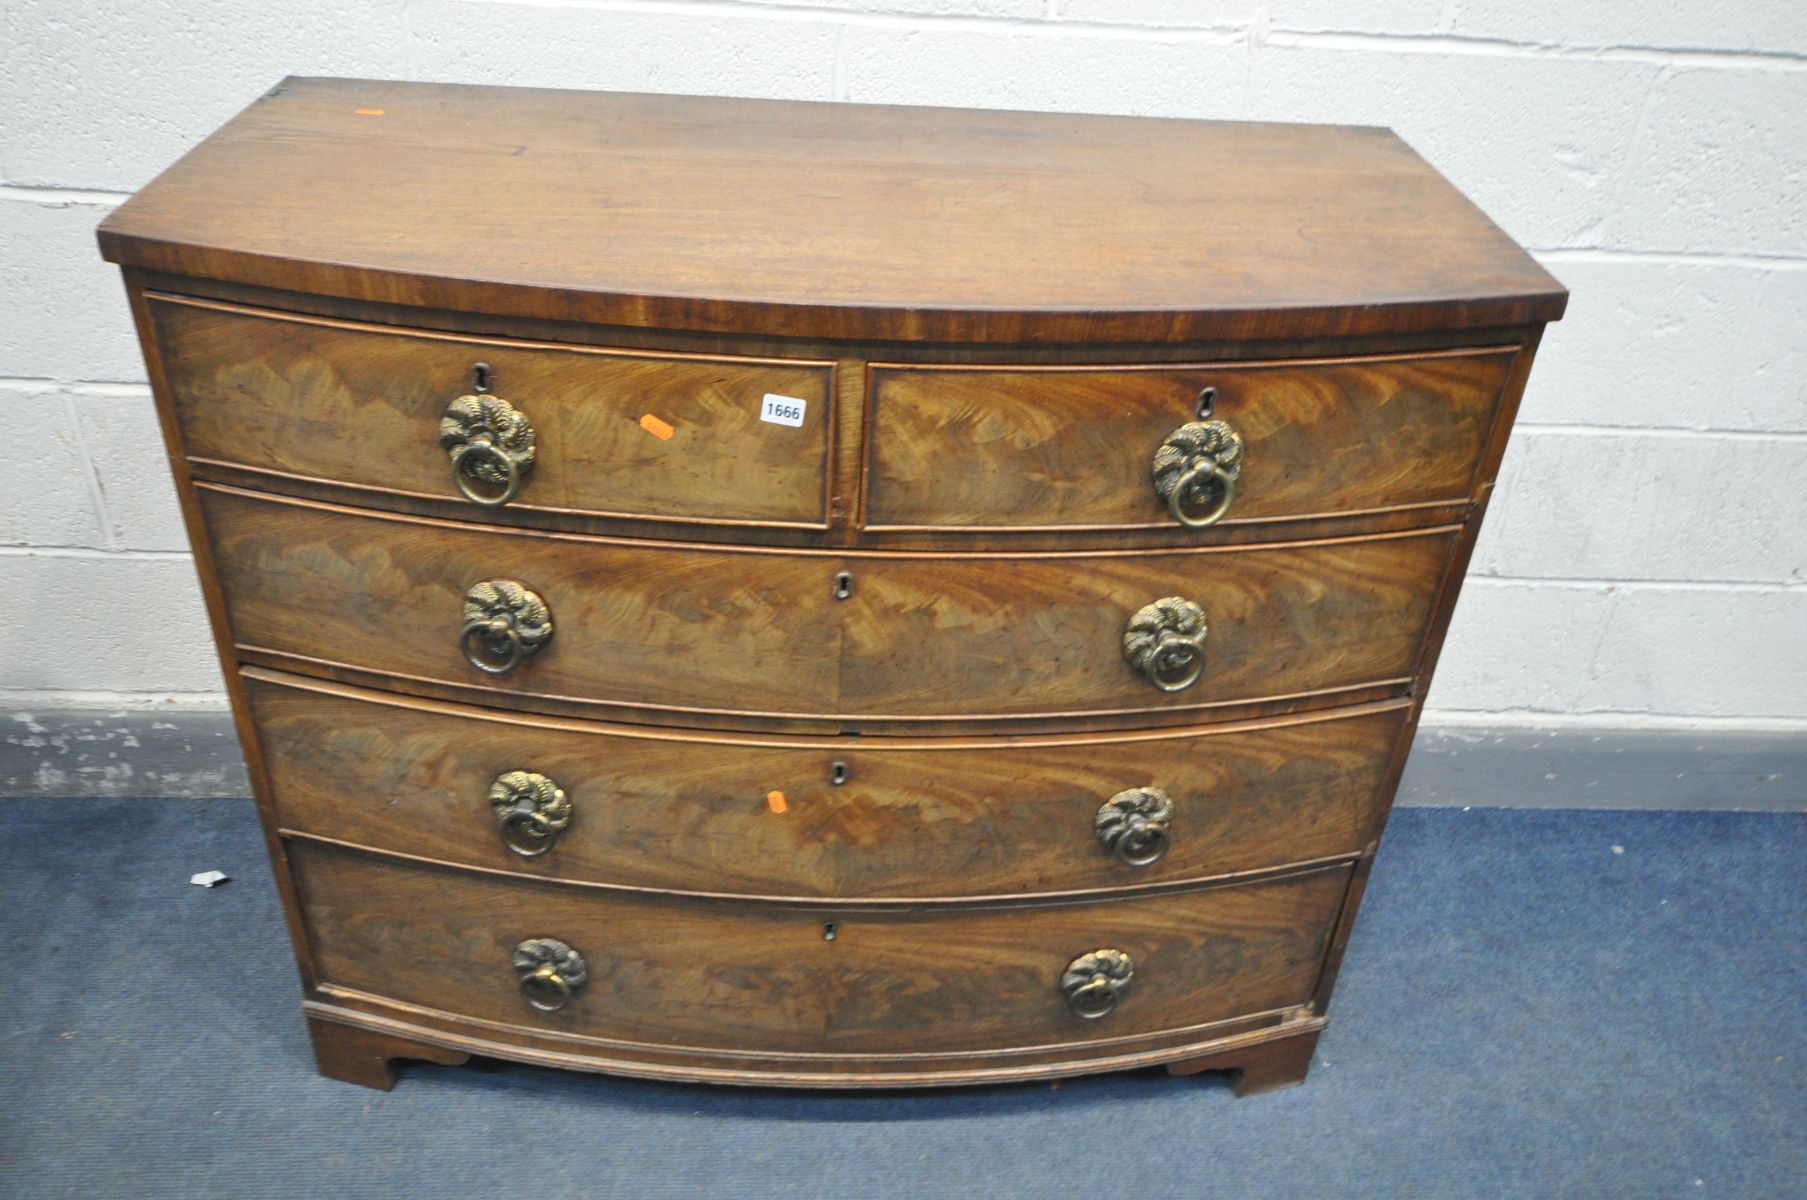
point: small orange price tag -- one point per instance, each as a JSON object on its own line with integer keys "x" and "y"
{"x": 775, "y": 801}
{"x": 368, "y": 112}
{"x": 656, "y": 427}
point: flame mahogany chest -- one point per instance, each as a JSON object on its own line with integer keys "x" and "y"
{"x": 815, "y": 594}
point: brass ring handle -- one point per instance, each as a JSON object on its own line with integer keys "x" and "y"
{"x": 490, "y": 441}
{"x": 549, "y": 972}
{"x": 1094, "y": 999}
{"x": 494, "y": 632}
{"x": 1135, "y": 825}
{"x": 528, "y": 834}
{"x": 1195, "y": 472}
{"x": 1165, "y": 641}
{"x": 1191, "y": 482}
{"x": 536, "y": 985}
{"x": 532, "y": 809}
{"x": 463, "y": 476}
{"x": 504, "y": 622}
{"x": 1094, "y": 983}
{"x": 1178, "y": 662}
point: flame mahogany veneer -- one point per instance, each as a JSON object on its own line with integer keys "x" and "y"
{"x": 760, "y": 592}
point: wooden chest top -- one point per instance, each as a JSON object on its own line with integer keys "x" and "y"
{"x": 829, "y": 221}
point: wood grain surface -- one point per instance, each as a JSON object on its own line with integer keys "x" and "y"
{"x": 416, "y": 1031}
{"x": 994, "y": 319}
{"x": 1014, "y": 447}
{"x": 361, "y": 405}
{"x": 1268, "y": 1066}
{"x": 828, "y": 220}
{"x": 367, "y": 1057}
{"x": 998, "y": 635}
{"x": 914, "y": 817}
{"x": 761, "y": 633}
{"x": 752, "y": 977}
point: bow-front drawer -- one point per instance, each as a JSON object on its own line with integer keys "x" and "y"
{"x": 494, "y": 424}
{"x": 832, "y": 817}
{"x": 745, "y": 978}
{"x": 840, "y": 638}
{"x": 1068, "y": 448}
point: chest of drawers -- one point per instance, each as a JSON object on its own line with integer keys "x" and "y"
{"x": 790, "y": 593}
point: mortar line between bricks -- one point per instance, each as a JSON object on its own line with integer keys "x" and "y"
{"x": 1567, "y": 429}
{"x": 123, "y": 554}
{"x": 56, "y": 194}
{"x": 1675, "y": 258}
{"x": 1434, "y": 42}
{"x": 45, "y": 699}
{"x": 1603, "y": 720}
{"x": 1229, "y": 32}
{"x": 78, "y": 387}
{"x": 1430, "y": 40}
{"x": 1569, "y": 583}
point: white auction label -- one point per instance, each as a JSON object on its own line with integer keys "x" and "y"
{"x": 783, "y": 410}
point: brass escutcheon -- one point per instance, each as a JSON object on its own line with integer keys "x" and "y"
{"x": 1135, "y": 825}
{"x": 489, "y": 441}
{"x": 1195, "y": 472}
{"x": 549, "y": 972}
{"x": 503, "y": 623}
{"x": 532, "y": 810}
{"x": 1094, "y": 982}
{"x": 1165, "y": 641}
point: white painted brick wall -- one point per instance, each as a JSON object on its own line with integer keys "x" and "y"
{"x": 96, "y": 623}
{"x": 62, "y": 315}
{"x": 1763, "y": 26}
{"x": 1644, "y": 562}
{"x": 742, "y": 50}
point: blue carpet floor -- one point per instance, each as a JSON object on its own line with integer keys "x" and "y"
{"x": 1537, "y": 1003}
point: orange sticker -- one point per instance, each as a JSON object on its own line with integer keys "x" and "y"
{"x": 775, "y": 801}
{"x": 657, "y": 428}
{"x": 368, "y": 112}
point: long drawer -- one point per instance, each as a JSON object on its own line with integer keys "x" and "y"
{"x": 874, "y": 817}
{"x": 671, "y": 436}
{"x": 840, "y": 637}
{"x": 751, "y": 978}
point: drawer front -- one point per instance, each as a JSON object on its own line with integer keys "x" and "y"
{"x": 764, "y": 817}
{"x": 762, "y": 632}
{"x": 674, "y": 437}
{"x": 1000, "y": 636}
{"x": 676, "y": 626}
{"x": 1061, "y": 448}
{"x": 754, "y": 977}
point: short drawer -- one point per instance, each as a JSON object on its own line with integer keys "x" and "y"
{"x": 619, "y": 433}
{"x": 837, "y": 637}
{"x": 834, "y": 818}
{"x": 988, "y": 448}
{"x": 766, "y": 977}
